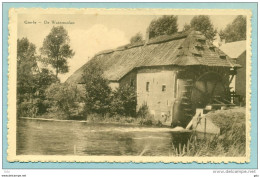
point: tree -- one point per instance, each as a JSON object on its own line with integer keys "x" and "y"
{"x": 124, "y": 101}
{"x": 236, "y": 31}
{"x": 26, "y": 69}
{"x": 64, "y": 97}
{"x": 165, "y": 25}
{"x": 98, "y": 92}
{"x": 56, "y": 49}
{"x": 31, "y": 80}
{"x": 43, "y": 80}
{"x": 203, "y": 24}
{"x": 136, "y": 38}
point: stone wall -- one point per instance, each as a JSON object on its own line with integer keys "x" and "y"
{"x": 155, "y": 87}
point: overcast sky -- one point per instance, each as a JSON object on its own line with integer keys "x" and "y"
{"x": 93, "y": 33}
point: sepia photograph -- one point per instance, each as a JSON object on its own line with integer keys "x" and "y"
{"x": 136, "y": 85}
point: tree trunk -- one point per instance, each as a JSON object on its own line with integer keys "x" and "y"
{"x": 57, "y": 67}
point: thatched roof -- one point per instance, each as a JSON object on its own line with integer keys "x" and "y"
{"x": 181, "y": 49}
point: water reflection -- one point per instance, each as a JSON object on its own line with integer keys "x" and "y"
{"x": 39, "y": 137}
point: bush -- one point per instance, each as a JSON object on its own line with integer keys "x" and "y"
{"x": 213, "y": 146}
{"x": 43, "y": 106}
{"x": 124, "y": 101}
{"x": 64, "y": 98}
{"x": 32, "y": 109}
{"x": 143, "y": 111}
{"x": 232, "y": 126}
{"x": 27, "y": 109}
{"x": 98, "y": 93}
{"x": 146, "y": 118}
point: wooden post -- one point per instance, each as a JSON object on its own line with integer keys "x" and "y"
{"x": 205, "y": 126}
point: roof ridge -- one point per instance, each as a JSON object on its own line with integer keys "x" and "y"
{"x": 192, "y": 50}
{"x": 155, "y": 40}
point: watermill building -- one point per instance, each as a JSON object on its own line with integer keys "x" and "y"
{"x": 173, "y": 75}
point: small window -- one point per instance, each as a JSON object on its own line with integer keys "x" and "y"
{"x": 196, "y": 55}
{"x": 222, "y": 56}
{"x": 163, "y": 88}
{"x": 212, "y": 49}
{"x": 147, "y": 86}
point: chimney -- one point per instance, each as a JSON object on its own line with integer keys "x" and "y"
{"x": 147, "y": 36}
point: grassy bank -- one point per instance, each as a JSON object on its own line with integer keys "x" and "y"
{"x": 230, "y": 142}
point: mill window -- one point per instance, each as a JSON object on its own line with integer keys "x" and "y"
{"x": 212, "y": 49}
{"x": 147, "y": 86}
{"x": 222, "y": 56}
{"x": 163, "y": 88}
{"x": 196, "y": 55}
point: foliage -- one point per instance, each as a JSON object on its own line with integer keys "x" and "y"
{"x": 100, "y": 99}
{"x": 230, "y": 142}
{"x": 143, "y": 111}
{"x": 27, "y": 109}
{"x": 43, "y": 80}
{"x": 203, "y": 24}
{"x": 210, "y": 146}
{"x": 31, "y": 80}
{"x": 186, "y": 27}
{"x": 97, "y": 118}
{"x": 124, "y": 101}
{"x": 26, "y": 67}
{"x": 165, "y": 25}
{"x": 64, "y": 97}
{"x": 56, "y": 49}
{"x": 236, "y": 31}
{"x": 98, "y": 92}
{"x": 232, "y": 126}
{"x": 147, "y": 122}
{"x": 146, "y": 118}
{"x": 138, "y": 37}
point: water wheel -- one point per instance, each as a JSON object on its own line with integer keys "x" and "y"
{"x": 206, "y": 89}
{"x": 209, "y": 89}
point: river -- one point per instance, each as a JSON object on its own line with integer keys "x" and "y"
{"x": 43, "y": 137}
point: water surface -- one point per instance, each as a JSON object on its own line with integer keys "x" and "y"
{"x": 41, "y": 137}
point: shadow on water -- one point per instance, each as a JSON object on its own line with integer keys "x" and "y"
{"x": 180, "y": 139}
{"x": 39, "y": 137}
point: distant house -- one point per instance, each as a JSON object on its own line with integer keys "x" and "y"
{"x": 237, "y": 52}
{"x": 173, "y": 75}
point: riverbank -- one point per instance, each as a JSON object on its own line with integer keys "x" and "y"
{"x": 130, "y": 127}
{"x": 230, "y": 142}
{"x": 119, "y": 120}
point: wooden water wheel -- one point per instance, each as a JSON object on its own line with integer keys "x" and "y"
{"x": 208, "y": 88}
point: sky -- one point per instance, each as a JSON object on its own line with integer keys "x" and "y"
{"x": 90, "y": 34}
